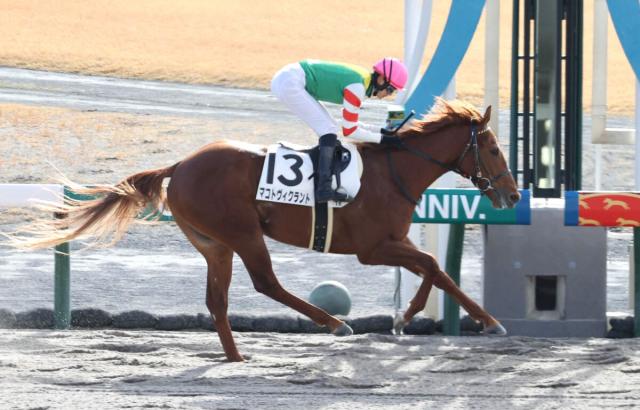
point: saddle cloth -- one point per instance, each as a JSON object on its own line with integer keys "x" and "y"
{"x": 288, "y": 174}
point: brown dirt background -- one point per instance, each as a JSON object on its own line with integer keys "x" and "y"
{"x": 242, "y": 43}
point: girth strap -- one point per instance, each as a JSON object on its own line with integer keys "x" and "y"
{"x": 321, "y": 227}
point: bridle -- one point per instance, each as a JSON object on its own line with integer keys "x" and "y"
{"x": 481, "y": 182}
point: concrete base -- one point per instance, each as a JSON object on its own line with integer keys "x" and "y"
{"x": 520, "y": 259}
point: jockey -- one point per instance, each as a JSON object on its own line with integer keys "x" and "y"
{"x": 301, "y": 86}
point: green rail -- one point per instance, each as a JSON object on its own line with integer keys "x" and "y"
{"x": 451, "y": 323}
{"x": 62, "y": 287}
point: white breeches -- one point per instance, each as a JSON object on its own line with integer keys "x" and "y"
{"x": 288, "y": 86}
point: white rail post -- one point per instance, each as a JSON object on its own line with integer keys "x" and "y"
{"x": 492, "y": 62}
{"x": 21, "y": 195}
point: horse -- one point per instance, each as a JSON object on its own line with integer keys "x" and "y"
{"x": 211, "y": 195}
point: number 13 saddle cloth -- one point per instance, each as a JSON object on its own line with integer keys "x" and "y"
{"x": 288, "y": 174}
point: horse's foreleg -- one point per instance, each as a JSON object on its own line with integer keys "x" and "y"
{"x": 256, "y": 259}
{"x": 404, "y": 253}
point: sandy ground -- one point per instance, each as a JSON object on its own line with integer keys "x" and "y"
{"x": 111, "y": 369}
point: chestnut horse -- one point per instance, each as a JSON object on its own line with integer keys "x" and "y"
{"x": 212, "y": 193}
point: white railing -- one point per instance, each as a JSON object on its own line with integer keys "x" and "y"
{"x": 21, "y": 195}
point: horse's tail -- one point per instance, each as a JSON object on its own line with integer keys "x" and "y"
{"x": 106, "y": 217}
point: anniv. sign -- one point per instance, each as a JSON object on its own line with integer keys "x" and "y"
{"x": 468, "y": 206}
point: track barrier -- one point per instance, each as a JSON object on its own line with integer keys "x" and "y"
{"x": 452, "y": 206}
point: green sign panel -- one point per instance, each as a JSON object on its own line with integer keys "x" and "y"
{"x": 468, "y": 206}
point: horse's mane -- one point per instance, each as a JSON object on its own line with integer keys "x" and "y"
{"x": 443, "y": 114}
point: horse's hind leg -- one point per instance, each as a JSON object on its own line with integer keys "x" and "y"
{"x": 256, "y": 259}
{"x": 219, "y": 266}
{"x": 219, "y": 259}
{"x": 417, "y": 304}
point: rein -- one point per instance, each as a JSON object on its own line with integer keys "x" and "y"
{"x": 482, "y": 183}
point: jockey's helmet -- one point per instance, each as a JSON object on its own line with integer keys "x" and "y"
{"x": 393, "y": 70}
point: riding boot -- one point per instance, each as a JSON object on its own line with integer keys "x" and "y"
{"x": 324, "y": 191}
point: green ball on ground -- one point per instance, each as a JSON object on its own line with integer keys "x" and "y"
{"x": 332, "y": 297}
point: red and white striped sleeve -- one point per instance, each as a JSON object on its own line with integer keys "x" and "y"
{"x": 353, "y": 95}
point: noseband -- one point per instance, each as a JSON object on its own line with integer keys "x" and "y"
{"x": 481, "y": 182}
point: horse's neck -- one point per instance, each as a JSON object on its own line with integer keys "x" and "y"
{"x": 444, "y": 145}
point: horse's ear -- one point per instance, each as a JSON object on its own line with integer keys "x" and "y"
{"x": 487, "y": 115}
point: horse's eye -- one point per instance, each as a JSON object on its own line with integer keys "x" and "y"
{"x": 495, "y": 152}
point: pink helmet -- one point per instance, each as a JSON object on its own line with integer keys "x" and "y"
{"x": 393, "y": 70}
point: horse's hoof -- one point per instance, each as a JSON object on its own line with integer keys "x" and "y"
{"x": 495, "y": 330}
{"x": 343, "y": 330}
{"x": 398, "y": 324}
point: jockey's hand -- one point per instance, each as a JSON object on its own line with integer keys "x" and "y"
{"x": 387, "y": 132}
{"x": 390, "y": 140}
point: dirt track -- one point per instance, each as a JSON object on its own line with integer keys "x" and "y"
{"x": 185, "y": 370}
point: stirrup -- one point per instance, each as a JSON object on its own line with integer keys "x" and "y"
{"x": 331, "y": 195}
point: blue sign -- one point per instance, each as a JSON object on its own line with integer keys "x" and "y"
{"x": 456, "y": 37}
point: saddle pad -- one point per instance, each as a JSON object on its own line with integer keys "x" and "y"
{"x": 287, "y": 177}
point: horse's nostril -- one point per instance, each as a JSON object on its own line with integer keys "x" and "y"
{"x": 515, "y": 197}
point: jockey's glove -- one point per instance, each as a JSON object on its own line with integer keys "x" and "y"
{"x": 387, "y": 132}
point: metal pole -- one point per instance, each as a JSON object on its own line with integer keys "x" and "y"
{"x": 451, "y": 325}
{"x": 492, "y": 63}
{"x": 599, "y": 85}
{"x": 636, "y": 231}
{"x": 577, "y": 91}
{"x": 62, "y": 286}
{"x": 636, "y": 261}
{"x": 513, "y": 122}
{"x": 417, "y": 18}
{"x": 637, "y": 146}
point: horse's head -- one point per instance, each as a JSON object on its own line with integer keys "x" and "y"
{"x": 484, "y": 163}
{"x": 456, "y": 137}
